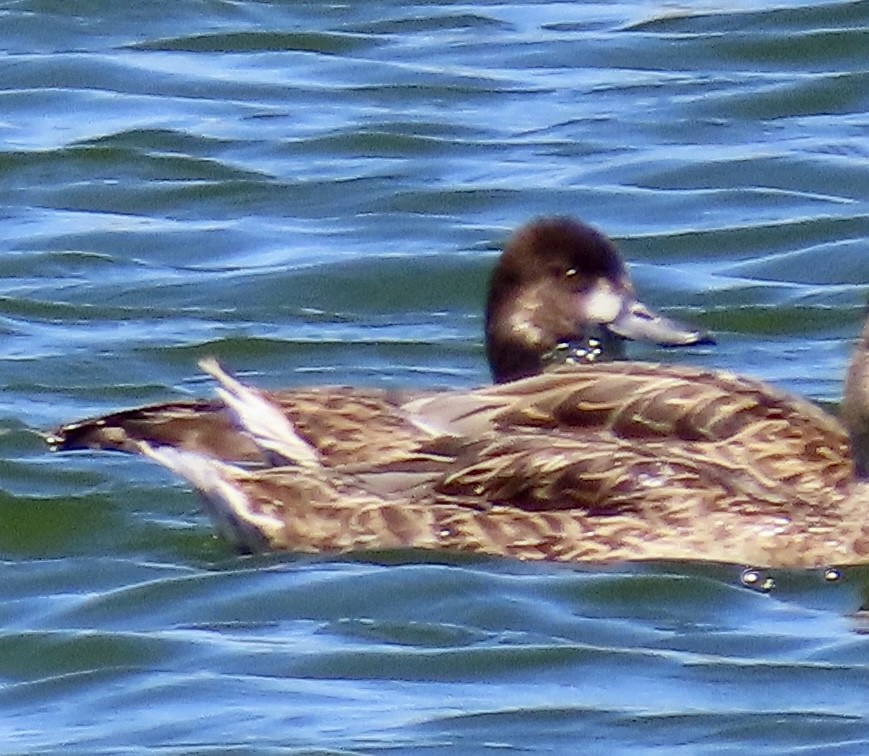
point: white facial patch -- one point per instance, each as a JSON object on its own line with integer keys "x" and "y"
{"x": 601, "y": 303}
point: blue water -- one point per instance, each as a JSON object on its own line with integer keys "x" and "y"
{"x": 315, "y": 194}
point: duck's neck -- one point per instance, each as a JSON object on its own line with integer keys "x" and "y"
{"x": 855, "y": 405}
{"x": 513, "y": 356}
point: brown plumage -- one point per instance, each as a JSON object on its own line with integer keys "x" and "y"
{"x": 686, "y": 511}
{"x": 623, "y": 461}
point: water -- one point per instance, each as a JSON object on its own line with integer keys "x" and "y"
{"x": 315, "y": 194}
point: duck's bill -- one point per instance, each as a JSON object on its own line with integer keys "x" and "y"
{"x": 638, "y": 323}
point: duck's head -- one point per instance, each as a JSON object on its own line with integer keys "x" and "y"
{"x": 855, "y": 405}
{"x": 560, "y": 292}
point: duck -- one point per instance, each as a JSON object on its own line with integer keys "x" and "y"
{"x": 559, "y": 294}
{"x": 615, "y": 462}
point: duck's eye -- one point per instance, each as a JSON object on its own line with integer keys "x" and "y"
{"x": 571, "y": 272}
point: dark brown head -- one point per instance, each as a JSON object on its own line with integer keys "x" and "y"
{"x": 560, "y": 285}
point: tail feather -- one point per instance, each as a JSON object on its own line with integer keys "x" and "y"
{"x": 270, "y": 428}
{"x": 226, "y": 502}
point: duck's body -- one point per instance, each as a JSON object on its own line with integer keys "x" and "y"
{"x": 622, "y": 461}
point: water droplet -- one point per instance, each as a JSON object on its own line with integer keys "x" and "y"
{"x": 757, "y": 580}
